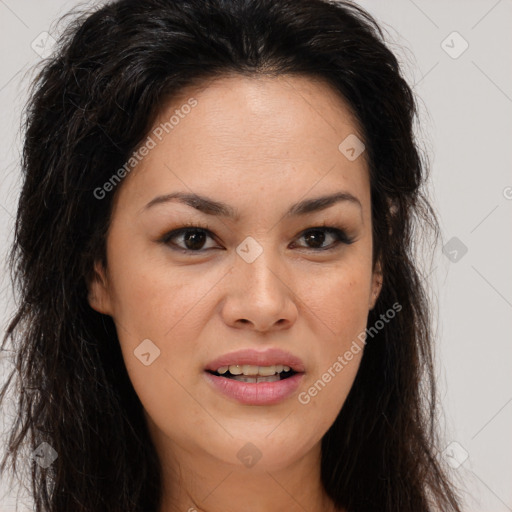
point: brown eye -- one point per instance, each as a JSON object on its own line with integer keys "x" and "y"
{"x": 192, "y": 238}
{"x": 316, "y": 237}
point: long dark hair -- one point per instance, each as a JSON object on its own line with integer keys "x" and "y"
{"x": 91, "y": 105}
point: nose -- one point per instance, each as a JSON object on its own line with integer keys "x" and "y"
{"x": 260, "y": 295}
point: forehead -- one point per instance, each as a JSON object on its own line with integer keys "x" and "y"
{"x": 243, "y": 135}
{"x": 234, "y": 109}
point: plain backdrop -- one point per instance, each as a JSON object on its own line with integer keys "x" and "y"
{"x": 457, "y": 56}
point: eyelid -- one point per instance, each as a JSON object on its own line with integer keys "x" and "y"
{"x": 187, "y": 226}
{"x": 341, "y": 234}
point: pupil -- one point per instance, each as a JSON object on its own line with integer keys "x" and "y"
{"x": 318, "y": 242}
{"x": 195, "y": 243}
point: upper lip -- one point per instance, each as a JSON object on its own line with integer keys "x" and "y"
{"x": 269, "y": 357}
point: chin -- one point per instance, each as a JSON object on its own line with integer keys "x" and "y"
{"x": 266, "y": 452}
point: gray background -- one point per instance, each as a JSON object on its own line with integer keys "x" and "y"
{"x": 466, "y": 126}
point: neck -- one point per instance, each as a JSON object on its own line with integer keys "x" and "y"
{"x": 198, "y": 482}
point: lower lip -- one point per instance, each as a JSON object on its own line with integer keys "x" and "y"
{"x": 262, "y": 393}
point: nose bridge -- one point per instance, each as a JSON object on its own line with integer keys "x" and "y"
{"x": 259, "y": 292}
{"x": 258, "y": 265}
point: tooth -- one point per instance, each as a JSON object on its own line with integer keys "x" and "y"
{"x": 253, "y": 370}
{"x": 256, "y": 380}
{"x": 249, "y": 369}
{"x": 270, "y": 378}
{"x": 265, "y": 371}
{"x": 243, "y": 378}
{"x": 235, "y": 369}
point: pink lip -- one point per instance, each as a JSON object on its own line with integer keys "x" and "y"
{"x": 269, "y": 357}
{"x": 263, "y": 393}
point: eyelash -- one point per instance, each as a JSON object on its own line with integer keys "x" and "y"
{"x": 340, "y": 234}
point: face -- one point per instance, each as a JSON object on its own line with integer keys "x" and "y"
{"x": 189, "y": 283}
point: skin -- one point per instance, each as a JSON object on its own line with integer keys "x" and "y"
{"x": 259, "y": 145}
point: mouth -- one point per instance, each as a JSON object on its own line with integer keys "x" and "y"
{"x": 254, "y": 374}
{"x": 252, "y": 377}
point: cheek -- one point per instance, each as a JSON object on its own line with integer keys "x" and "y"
{"x": 170, "y": 310}
{"x": 337, "y": 303}
{"x": 154, "y": 298}
{"x": 167, "y": 306}
{"x": 338, "y": 299}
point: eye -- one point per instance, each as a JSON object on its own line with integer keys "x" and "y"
{"x": 317, "y": 236}
{"x": 194, "y": 237}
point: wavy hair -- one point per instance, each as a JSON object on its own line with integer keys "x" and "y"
{"x": 91, "y": 105}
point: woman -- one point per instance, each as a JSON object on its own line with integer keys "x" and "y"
{"x": 220, "y": 308}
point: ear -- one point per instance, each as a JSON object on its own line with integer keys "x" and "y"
{"x": 376, "y": 285}
{"x": 99, "y": 295}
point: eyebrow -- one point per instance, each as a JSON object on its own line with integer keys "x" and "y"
{"x": 217, "y": 208}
